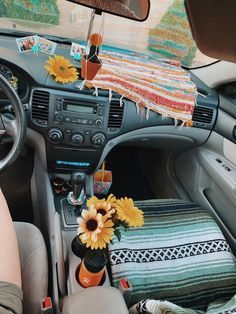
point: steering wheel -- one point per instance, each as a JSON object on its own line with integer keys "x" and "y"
{"x": 16, "y": 128}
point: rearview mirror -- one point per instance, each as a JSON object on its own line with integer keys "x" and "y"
{"x": 137, "y": 10}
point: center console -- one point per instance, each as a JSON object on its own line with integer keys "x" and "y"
{"x": 78, "y": 122}
{"x": 76, "y": 127}
{"x": 75, "y": 296}
{"x": 77, "y": 136}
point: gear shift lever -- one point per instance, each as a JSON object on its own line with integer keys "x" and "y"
{"x": 77, "y": 196}
{"x": 77, "y": 182}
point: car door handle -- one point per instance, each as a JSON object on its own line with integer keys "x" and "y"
{"x": 234, "y": 133}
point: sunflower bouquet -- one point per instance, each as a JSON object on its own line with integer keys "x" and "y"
{"x": 102, "y": 220}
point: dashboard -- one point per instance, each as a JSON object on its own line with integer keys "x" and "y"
{"x": 16, "y": 76}
{"x": 80, "y": 128}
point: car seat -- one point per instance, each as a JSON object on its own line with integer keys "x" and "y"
{"x": 34, "y": 266}
{"x": 179, "y": 255}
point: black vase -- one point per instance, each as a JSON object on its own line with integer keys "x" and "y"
{"x": 78, "y": 248}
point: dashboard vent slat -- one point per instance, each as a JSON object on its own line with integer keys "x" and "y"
{"x": 203, "y": 115}
{"x": 40, "y": 107}
{"x": 115, "y": 115}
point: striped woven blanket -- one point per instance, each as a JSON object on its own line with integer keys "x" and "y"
{"x": 221, "y": 306}
{"x": 179, "y": 255}
{"x": 161, "y": 86}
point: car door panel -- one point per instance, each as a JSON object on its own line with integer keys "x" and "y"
{"x": 208, "y": 174}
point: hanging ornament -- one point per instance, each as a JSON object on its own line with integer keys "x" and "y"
{"x": 91, "y": 64}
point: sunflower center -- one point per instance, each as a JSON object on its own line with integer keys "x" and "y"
{"x": 62, "y": 68}
{"x": 92, "y": 224}
{"x": 101, "y": 211}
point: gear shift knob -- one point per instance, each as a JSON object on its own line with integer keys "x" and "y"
{"x": 77, "y": 181}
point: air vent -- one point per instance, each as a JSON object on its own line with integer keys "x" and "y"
{"x": 202, "y": 115}
{"x": 203, "y": 92}
{"x": 115, "y": 115}
{"x": 40, "y": 107}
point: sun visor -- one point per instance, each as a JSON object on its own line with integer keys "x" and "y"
{"x": 213, "y": 25}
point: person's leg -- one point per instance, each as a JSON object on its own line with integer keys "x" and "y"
{"x": 9, "y": 253}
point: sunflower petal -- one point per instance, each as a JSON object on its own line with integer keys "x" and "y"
{"x": 84, "y": 237}
{"x": 94, "y": 237}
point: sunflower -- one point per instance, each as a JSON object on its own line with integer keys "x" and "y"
{"x": 128, "y": 213}
{"x": 62, "y": 69}
{"x": 105, "y": 207}
{"x": 94, "y": 230}
{"x": 103, "y": 238}
{"x": 89, "y": 225}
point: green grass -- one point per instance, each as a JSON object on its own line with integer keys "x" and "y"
{"x": 44, "y": 11}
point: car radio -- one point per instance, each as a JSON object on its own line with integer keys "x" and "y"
{"x": 78, "y": 122}
{"x": 78, "y": 112}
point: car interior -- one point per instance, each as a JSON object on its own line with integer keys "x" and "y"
{"x": 54, "y": 137}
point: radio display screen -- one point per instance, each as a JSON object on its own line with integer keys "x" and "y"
{"x": 79, "y": 108}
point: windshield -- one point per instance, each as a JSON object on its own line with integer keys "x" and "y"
{"x": 165, "y": 34}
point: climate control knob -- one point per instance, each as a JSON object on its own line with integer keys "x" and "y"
{"x": 55, "y": 135}
{"x": 98, "y": 139}
{"x": 77, "y": 139}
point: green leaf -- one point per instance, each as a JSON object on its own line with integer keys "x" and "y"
{"x": 126, "y": 226}
{"x": 118, "y": 234}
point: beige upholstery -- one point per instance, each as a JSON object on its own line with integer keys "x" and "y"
{"x": 34, "y": 266}
{"x": 99, "y": 300}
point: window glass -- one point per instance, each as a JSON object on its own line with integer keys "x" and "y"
{"x": 165, "y": 34}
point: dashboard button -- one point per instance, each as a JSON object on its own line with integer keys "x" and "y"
{"x": 87, "y": 132}
{"x": 68, "y": 130}
{"x": 68, "y": 119}
{"x": 74, "y": 120}
{"x": 98, "y": 123}
{"x": 77, "y": 139}
{"x": 100, "y": 112}
{"x": 59, "y": 107}
{"x": 59, "y": 118}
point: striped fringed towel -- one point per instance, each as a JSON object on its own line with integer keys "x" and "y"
{"x": 179, "y": 255}
{"x": 161, "y": 86}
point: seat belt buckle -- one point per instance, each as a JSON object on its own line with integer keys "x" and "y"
{"x": 126, "y": 289}
{"x": 46, "y": 306}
